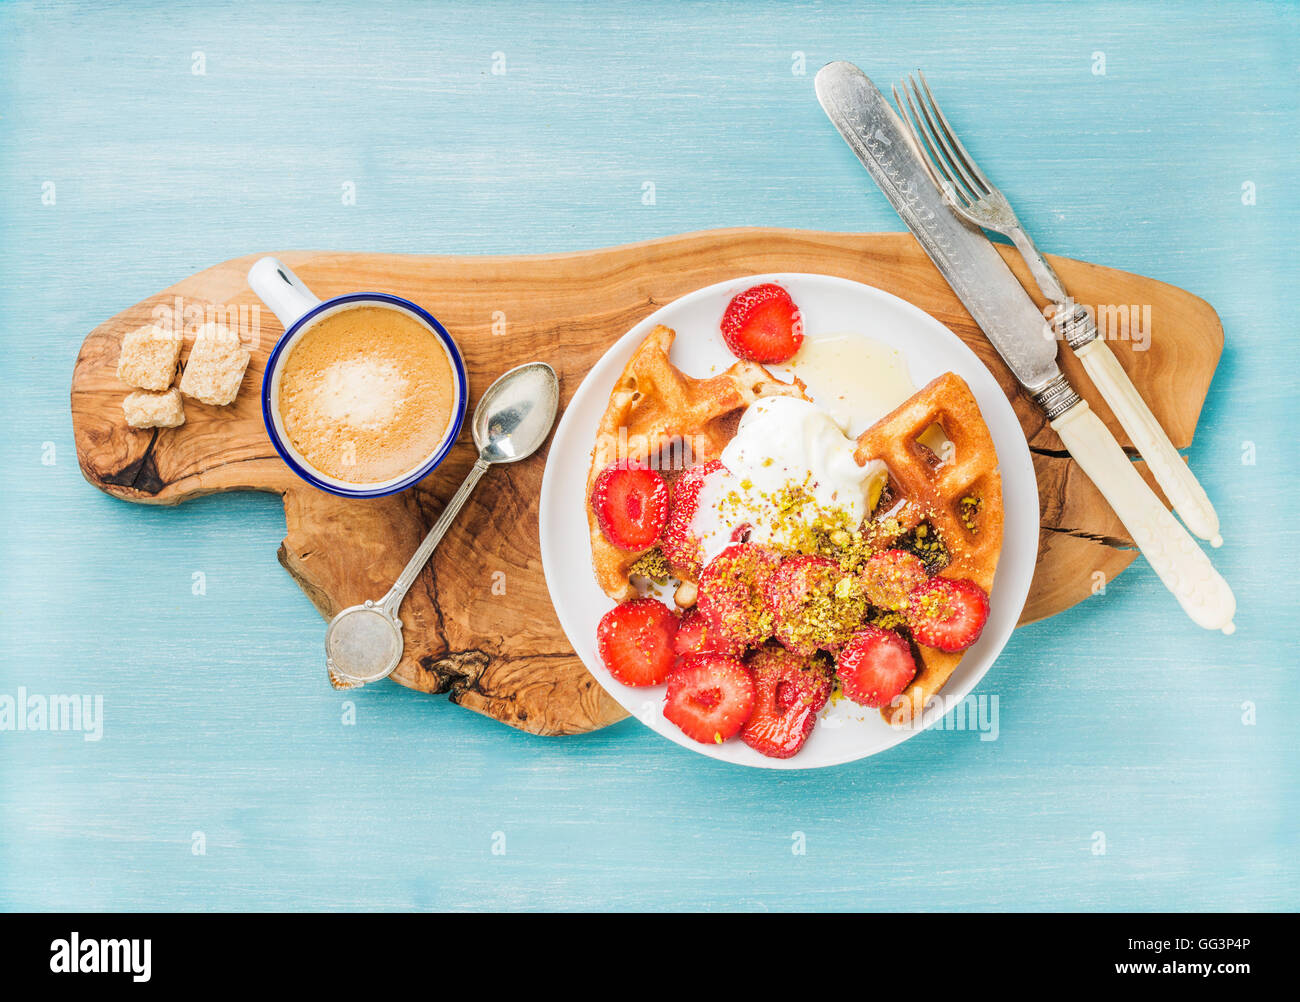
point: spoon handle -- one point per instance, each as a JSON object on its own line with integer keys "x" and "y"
{"x": 393, "y": 600}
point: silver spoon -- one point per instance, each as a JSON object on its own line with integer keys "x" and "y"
{"x": 363, "y": 643}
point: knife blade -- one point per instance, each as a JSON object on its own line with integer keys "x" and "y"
{"x": 1021, "y": 335}
{"x": 960, "y": 251}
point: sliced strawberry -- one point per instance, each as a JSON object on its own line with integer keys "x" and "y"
{"x": 710, "y": 696}
{"x": 631, "y": 505}
{"x": 948, "y": 613}
{"x": 635, "y": 641}
{"x": 814, "y": 604}
{"x": 733, "y": 593}
{"x": 696, "y": 635}
{"x": 763, "y": 324}
{"x": 875, "y": 666}
{"x": 789, "y": 692}
{"x": 692, "y": 634}
{"x": 679, "y": 545}
{"x": 888, "y": 579}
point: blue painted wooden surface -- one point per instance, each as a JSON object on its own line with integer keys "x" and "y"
{"x": 1118, "y": 717}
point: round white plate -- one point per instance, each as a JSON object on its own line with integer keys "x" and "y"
{"x": 846, "y": 731}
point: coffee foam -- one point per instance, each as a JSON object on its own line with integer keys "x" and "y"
{"x": 360, "y": 393}
{"x": 366, "y": 394}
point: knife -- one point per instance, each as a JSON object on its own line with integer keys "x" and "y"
{"x": 1021, "y": 335}
{"x": 987, "y": 207}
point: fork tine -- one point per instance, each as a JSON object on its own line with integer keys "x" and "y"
{"x": 978, "y": 190}
{"x": 961, "y": 150}
{"x": 957, "y": 181}
{"x": 922, "y": 142}
{"x": 936, "y": 164}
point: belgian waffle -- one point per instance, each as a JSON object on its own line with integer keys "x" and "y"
{"x": 659, "y": 415}
{"x": 958, "y": 493}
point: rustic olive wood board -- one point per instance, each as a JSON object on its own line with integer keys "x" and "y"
{"x": 479, "y": 622}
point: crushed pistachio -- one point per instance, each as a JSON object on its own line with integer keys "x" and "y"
{"x": 831, "y": 611}
{"x": 652, "y": 565}
{"x": 968, "y": 509}
{"x": 804, "y": 527}
{"x": 887, "y": 620}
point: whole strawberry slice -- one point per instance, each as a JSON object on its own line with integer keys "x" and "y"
{"x": 763, "y": 324}
{"x": 631, "y": 505}
{"x": 635, "y": 641}
{"x": 710, "y": 696}
{"x": 789, "y": 692}
{"x": 815, "y": 605}
{"x": 696, "y": 635}
{"x": 679, "y": 545}
{"x": 888, "y": 579}
{"x": 948, "y": 613}
{"x": 875, "y": 666}
{"x": 733, "y": 593}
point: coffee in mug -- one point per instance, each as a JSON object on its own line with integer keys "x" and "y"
{"x": 366, "y": 393}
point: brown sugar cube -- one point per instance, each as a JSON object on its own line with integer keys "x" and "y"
{"x": 154, "y": 410}
{"x": 215, "y": 367}
{"x": 148, "y": 358}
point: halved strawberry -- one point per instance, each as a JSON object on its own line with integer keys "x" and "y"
{"x": 635, "y": 641}
{"x": 679, "y": 545}
{"x": 814, "y": 604}
{"x": 696, "y": 635}
{"x": 631, "y": 505}
{"x": 710, "y": 696}
{"x": 733, "y": 593}
{"x": 875, "y": 666}
{"x": 789, "y": 691}
{"x": 888, "y": 579}
{"x": 948, "y": 613}
{"x": 763, "y": 324}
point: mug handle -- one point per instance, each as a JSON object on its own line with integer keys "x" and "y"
{"x": 281, "y": 290}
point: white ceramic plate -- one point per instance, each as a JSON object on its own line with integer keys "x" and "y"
{"x": 845, "y": 732}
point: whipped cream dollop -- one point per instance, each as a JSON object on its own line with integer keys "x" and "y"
{"x": 784, "y": 448}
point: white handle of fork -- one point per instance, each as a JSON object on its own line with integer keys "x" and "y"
{"x": 1180, "y": 564}
{"x": 1174, "y": 476}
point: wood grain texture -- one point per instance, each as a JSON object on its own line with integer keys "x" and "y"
{"x": 504, "y": 654}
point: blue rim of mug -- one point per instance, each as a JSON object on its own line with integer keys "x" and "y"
{"x": 425, "y": 468}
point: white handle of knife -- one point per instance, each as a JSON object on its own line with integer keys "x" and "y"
{"x": 1174, "y": 476}
{"x": 1180, "y": 564}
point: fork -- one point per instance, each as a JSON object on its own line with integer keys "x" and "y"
{"x": 976, "y": 199}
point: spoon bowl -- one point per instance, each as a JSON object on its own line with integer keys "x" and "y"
{"x": 516, "y": 413}
{"x": 363, "y": 643}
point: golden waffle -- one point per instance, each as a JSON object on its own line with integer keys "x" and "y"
{"x": 960, "y": 496}
{"x": 660, "y": 415}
